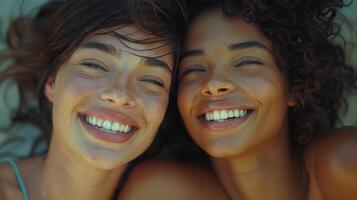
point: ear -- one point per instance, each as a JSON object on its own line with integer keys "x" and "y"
{"x": 49, "y": 85}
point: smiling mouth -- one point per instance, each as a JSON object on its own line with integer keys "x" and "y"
{"x": 224, "y": 118}
{"x": 224, "y": 115}
{"x": 108, "y": 126}
{"x": 107, "y": 130}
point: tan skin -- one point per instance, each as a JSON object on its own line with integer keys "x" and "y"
{"x": 250, "y": 154}
{"x": 104, "y": 79}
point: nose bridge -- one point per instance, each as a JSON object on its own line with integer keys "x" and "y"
{"x": 218, "y": 83}
{"x": 218, "y": 73}
{"x": 122, "y": 82}
{"x": 119, "y": 91}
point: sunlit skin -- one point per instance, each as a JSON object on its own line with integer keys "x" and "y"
{"x": 251, "y": 156}
{"x": 94, "y": 81}
{"x": 107, "y": 78}
{"x": 228, "y": 64}
{"x": 239, "y": 73}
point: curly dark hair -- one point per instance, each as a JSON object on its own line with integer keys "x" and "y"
{"x": 38, "y": 45}
{"x": 303, "y": 34}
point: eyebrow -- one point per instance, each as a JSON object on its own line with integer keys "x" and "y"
{"x": 191, "y": 53}
{"x": 106, "y": 48}
{"x": 110, "y": 49}
{"x": 247, "y": 44}
{"x": 236, "y": 46}
{"x": 157, "y": 63}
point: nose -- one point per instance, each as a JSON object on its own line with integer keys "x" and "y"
{"x": 217, "y": 87}
{"x": 119, "y": 95}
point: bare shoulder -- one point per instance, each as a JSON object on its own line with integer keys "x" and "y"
{"x": 29, "y": 171}
{"x": 332, "y": 161}
{"x": 158, "y": 179}
{"x": 8, "y": 184}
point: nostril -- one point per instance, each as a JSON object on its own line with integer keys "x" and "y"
{"x": 222, "y": 90}
{"x": 207, "y": 92}
{"x": 108, "y": 99}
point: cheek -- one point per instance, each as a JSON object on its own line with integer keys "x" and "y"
{"x": 274, "y": 93}
{"x": 181, "y": 94}
{"x": 154, "y": 105}
{"x": 72, "y": 91}
{"x": 70, "y": 88}
{"x": 267, "y": 90}
{"x": 271, "y": 95}
{"x": 80, "y": 87}
{"x": 187, "y": 92}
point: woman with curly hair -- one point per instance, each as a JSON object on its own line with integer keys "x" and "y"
{"x": 260, "y": 87}
{"x": 103, "y": 72}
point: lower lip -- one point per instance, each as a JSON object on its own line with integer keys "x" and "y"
{"x": 104, "y": 136}
{"x": 213, "y": 125}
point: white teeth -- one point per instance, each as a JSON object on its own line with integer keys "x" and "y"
{"x": 127, "y": 129}
{"x": 223, "y": 115}
{"x": 111, "y": 127}
{"x": 94, "y": 120}
{"x": 121, "y": 127}
{"x": 115, "y": 126}
{"x": 207, "y": 116}
{"x": 107, "y": 124}
{"x": 230, "y": 114}
{"x": 99, "y": 122}
{"x": 236, "y": 113}
{"x": 241, "y": 113}
{"x": 216, "y": 115}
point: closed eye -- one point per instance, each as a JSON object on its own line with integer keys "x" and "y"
{"x": 94, "y": 65}
{"x": 192, "y": 69}
{"x": 153, "y": 81}
{"x": 246, "y": 62}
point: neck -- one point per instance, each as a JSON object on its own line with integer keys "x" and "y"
{"x": 65, "y": 176}
{"x": 270, "y": 171}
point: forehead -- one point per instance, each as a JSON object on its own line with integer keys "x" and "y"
{"x": 146, "y": 46}
{"x": 213, "y": 27}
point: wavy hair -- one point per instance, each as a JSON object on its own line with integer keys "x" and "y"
{"x": 302, "y": 33}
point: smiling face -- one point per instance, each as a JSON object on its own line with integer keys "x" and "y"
{"x": 232, "y": 96}
{"x": 110, "y": 98}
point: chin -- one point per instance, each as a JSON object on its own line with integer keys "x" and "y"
{"x": 106, "y": 160}
{"x": 106, "y": 164}
{"x": 221, "y": 151}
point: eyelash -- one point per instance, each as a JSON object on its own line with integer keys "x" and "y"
{"x": 192, "y": 69}
{"x": 248, "y": 62}
{"x": 156, "y": 82}
{"x": 94, "y": 65}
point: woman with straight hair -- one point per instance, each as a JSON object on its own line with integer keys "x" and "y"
{"x": 102, "y": 71}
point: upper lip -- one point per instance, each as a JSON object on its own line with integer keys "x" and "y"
{"x": 112, "y": 116}
{"x": 209, "y": 107}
